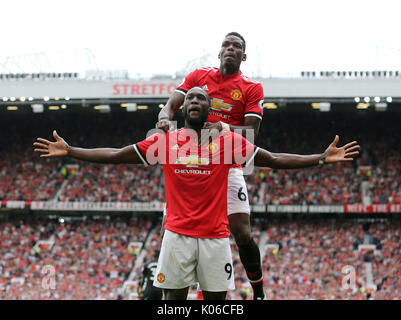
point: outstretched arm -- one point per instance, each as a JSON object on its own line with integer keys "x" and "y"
{"x": 264, "y": 158}
{"x": 60, "y": 148}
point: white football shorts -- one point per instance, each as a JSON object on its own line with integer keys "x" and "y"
{"x": 184, "y": 261}
{"x": 237, "y": 193}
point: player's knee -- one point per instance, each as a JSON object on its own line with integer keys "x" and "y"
{"x": 242, "y": 238}
{"x": 175, "y": 294}
{"x": 240, "y": 228}
{"x": 207, "y": 295}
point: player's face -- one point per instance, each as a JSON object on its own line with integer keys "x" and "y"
{"x": 196, "y": 106}
{"x": 232, "y": 51}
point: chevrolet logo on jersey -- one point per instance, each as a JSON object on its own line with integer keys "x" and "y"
{"x": 219, "y": 104}
{"x": 193, "y": 161}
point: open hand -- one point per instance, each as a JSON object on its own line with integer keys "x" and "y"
{"x": 345, "y": 153}
{"x": 52, "y": 149}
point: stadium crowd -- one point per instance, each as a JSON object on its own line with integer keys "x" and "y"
{"x": 24, "y": 178}
{"x": 92, "y": 258}
{"x": 311, "y": 257}
{"x": 118, "y": 183}
{"x": 311, "y": 254}
{"x": 375, "y": 177}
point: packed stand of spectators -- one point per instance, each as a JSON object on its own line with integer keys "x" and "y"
{"x": 378, "y": 135}
{"x": 385, "y": 181}
{"x": 114, "y": 183}
{"x": 335, "y": 184}
{"x": 26, "y": 179}
{"x": 386, "y": 236}
{"x": 90, "y": 259}
{"x": 25, "y": 176}
{"x": 312, "y": 254}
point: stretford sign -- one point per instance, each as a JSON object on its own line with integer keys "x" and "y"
{"x": 319, "y": 88}
{"x": 143, "y": 89}
{"x": 89, "y": 89}
{"x": 159, "y": 207}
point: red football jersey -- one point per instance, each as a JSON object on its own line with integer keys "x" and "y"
{"x": 195, "y": 178}
{"x": 234, "y": 97}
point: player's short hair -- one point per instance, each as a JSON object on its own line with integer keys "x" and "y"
{"x": 207, "y": 95}
{"x": 236, "y": 34}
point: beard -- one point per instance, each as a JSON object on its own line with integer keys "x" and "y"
{"x": 230, "y": 66}
{"x": 196, "y": 121}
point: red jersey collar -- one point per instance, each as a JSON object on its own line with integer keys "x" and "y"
{"x": 229, "y": 75}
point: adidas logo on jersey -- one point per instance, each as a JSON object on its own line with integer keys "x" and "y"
{"x": 205, "y": 87}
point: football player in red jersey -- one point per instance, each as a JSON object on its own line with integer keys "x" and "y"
{"x": 237, "y": 104}
{"x": 195, "y": 246}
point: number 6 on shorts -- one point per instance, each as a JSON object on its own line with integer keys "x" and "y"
{"x": 241, "y": 195}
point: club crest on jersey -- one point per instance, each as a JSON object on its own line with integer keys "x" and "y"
{"x": 219, "y": 104}
{"x": 236, "y": 94}
{"x": 193, "y": 161}
{"x": 213, "y": 147}
{"x": 161, "y": 278}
